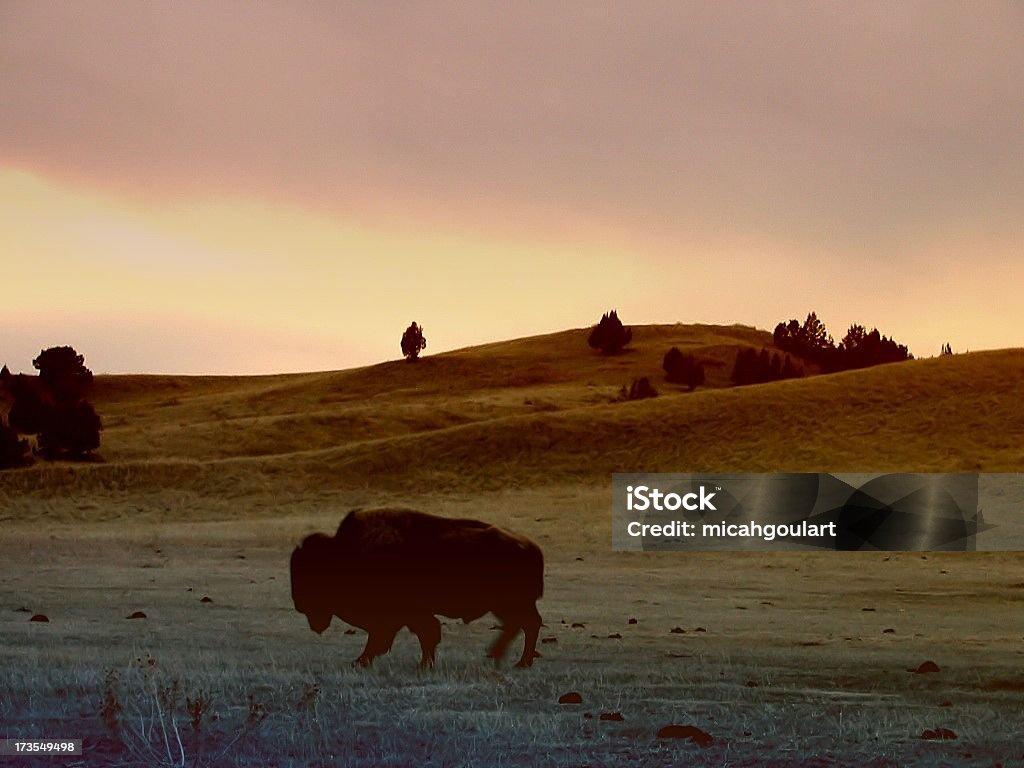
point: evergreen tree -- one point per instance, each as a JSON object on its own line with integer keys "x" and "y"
{"x": 610, "y": 335}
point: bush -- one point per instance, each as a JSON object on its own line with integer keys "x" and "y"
{"x": 413, "y": 342}
{"x": 683, "y": 369}
{"x": 609, "y": 335}
{"x": 640, "y": 389}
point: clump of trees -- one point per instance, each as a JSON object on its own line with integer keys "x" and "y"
{"x": 610, "y": 335}
{"x": 753, "y": 367}
{"x": 683, "y": 369}
{"x": 639, "y": 389}
{"x": 54, "y": 405}
{"x": 859, "y": 348}
{"x": 413, "y": 342}
{"x": 947, "y": 349}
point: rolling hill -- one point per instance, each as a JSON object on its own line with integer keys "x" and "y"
{"x": 538, "y": 411}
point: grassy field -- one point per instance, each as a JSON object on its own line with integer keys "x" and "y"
{"x": 786, "y": 659}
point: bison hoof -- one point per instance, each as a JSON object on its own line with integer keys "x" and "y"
{"x": 524, "y": 664}
{"x": 362, "y": 661}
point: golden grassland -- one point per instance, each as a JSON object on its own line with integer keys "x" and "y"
{"x": 208, "y": 483}
{"x": 537, "y": 412}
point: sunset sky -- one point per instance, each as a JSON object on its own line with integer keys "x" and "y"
{"x": 258, "y": 187}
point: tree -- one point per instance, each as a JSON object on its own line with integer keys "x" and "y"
{"x": 72, "y": 431}
{"x": 810, "y": 340}
{"x": 413, "y": 342}
{"x": 609, "y": 335}
{"x": 62, "y": 371}
{"x": 52, "y": 405}
{"x": 947, "y": 349}
{"x": 815, "y": 336}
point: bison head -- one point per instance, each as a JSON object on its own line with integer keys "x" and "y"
{"x": 311, "y": 582}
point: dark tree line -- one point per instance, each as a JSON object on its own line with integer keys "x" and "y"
{"x": 859, "y": 348}
{"x": 52, "y": 406}
{"x": 753, "y": 367}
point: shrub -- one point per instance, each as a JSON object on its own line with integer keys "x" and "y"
{"x": 639, "y": 389}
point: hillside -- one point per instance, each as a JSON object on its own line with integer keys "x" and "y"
{"x": 539, "y": 411}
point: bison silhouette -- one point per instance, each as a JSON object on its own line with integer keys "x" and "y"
{"x": 386, "y": 569}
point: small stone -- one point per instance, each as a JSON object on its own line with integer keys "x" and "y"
{"x": 938, "y": 734}
{"x": 687, "y": 732}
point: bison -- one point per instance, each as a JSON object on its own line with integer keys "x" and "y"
{"x": 386, "y": 569}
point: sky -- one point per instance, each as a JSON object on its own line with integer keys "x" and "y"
{"x": 243, "y": 187}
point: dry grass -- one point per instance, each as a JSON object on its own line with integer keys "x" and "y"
{"x": 535, "y": 412}
{"x": 209, "y": 482}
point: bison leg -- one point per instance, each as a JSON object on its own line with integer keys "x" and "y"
{"x": 531, "y": 624}
{"x": 500, "y": 646}
{"x": 428, "y": 630}
{"x": 378, "y": 643}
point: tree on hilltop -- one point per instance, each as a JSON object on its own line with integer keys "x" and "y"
{"x": 610, "y": 335}
{"x": 413, "y": 342}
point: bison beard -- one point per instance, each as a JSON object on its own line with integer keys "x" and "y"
{"x": 386, "y": 569}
